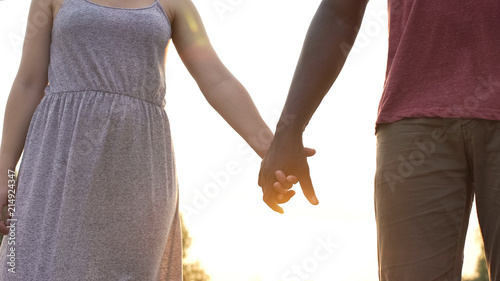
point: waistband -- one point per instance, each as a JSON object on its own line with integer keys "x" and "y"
{"x": 48, "y": 93}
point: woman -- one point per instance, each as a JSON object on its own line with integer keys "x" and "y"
{"x": 97, "y": 196}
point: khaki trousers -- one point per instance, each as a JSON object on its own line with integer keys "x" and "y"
{"x": 428, "y": 172}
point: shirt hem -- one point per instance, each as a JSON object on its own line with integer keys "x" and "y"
{"x": 435, "y": 112}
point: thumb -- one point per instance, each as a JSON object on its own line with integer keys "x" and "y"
{"x": 309, "y": 151}
{"x": 308, "y": 189}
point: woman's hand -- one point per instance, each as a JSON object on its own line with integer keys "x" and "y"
{"x": 8, "y": 188}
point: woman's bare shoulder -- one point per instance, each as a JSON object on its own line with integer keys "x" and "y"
{"x": 172, "y": 6}
{"x": 169, "y": 7}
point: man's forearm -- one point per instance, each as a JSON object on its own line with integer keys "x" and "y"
{"x": 329, "y": 39}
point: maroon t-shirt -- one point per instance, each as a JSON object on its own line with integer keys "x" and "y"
{"x": 443, "y": 60}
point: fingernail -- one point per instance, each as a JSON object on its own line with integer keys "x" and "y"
{"x": 314, "y": 200}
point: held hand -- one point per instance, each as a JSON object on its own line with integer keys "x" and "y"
{"x": 284, "y": 183}
{"x": 288, "y": 157}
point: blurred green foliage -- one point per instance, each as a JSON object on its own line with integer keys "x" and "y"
{"x": 481, "y": 273}
{"x": 190, "y": 271}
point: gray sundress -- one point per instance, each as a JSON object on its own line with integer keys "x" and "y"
{"x": 97, "y": 195}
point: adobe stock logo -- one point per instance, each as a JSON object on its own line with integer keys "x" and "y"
{"x": 407, "y": 165}
{"x": 324, "y": 250}
{"x": 223, "y": 7}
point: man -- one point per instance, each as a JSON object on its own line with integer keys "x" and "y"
{"x": 438, "y": 130}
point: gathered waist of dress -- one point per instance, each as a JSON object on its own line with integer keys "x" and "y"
{"x": 83, "y": 91}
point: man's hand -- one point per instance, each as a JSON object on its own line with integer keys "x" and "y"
{"x": 286, "y": 156}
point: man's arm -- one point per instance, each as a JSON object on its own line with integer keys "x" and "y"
{"x": 329, "y": 39}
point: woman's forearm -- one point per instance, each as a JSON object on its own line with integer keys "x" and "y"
{"x": 232, "y": 101}
{"x": 20, "y": 107}
{"x": 221, "y": 89}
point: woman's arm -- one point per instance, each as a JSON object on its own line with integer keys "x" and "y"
{"x": 221, "y": 89}
{"x": 26, "y": 92}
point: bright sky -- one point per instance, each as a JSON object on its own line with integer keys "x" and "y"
{"x": 235, "y": 235}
